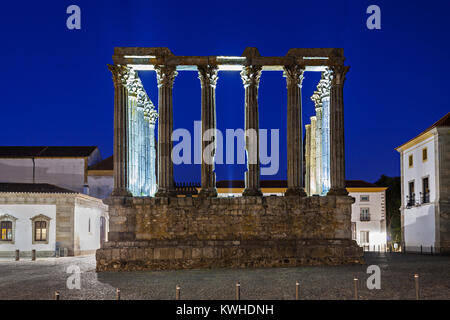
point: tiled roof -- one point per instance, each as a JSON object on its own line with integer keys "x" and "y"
{"x": 46, "y": 151}
{"x": 105, "y": 164}
{"x": 32, "y": 188}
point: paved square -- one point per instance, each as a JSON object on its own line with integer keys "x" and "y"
{"x": 40, "y": 279}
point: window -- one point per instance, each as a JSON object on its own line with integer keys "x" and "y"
{"x": 364, "y": 236}
{"x": 364, "y": 198}
{"x": 89, "y": 225}
{"x": 411, "y": 201}
{"x": 424, "y": 154}
{"x": 425, "y": 190}
{"x": 365, "y": 214}
{"x": 6, "y": 230}
{"x": 410, "y": 161}
{"x": 40, "y": 231}
{"x": 353, "y": 230}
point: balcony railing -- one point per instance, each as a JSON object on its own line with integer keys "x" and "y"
{"x": 364, "y": 217}
{"x": 425, "y": 197}
{"x": 411, "y": 200}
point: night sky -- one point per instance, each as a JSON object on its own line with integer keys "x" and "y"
{"x": 57, "y": 90}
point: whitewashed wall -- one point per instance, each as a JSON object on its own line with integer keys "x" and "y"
{"x": 419, "y": 221}
{"x": 23, "y": 233}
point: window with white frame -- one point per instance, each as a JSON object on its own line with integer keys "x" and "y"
{"x": 41, "y": 229}
{"x": 364, "y": 236}
{"x": 364, "y": 198}
{"x": 365, "y": 214}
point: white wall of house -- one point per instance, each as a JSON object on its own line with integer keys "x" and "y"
{"x": 63, "y": 172}
{"x": 376, "y": 226}
{"x": 23, "y": 230}
{"x": 100, "y": 186}
{"x": 419, "y": 219}
{"x": 87, "y": 241}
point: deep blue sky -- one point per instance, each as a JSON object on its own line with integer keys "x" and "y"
{"x": 56, "y": 89}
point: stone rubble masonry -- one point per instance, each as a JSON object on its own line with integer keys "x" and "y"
{"x": 183, "y": 233}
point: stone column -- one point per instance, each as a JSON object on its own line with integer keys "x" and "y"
{"x": 165, "y": 77}
{"x": 120, "y": 76}
{"x": 323, "y": 89}
{"x": 294, "y": 79}
{"x": 308, "y": 159}
{"x": 337, "y": 143}
{"x": 318, "y": 156}
{"x": 313, "y": 160}
{"x": 250, "y": 77}
{"x": 208, "y": 80}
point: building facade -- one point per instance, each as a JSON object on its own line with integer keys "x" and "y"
{"x": 425, "y": 186}
{"x": 65, "y": 167}
{"x": 45, "y": 217}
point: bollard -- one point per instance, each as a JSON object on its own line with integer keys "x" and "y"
{"x": 238, "y": 291}
{"x": 420, "y": 249}
{"x": 297, "y": 289}
{"x": 355, "y": 281}
{"x": 56, "y": 295}
{"x": 17, "y": 255}
{"x": 178, "y": 293}
{"x": 416, "y": 280}
{"x": 33, "y": 255}
{"x": 117, "y": 294}
{"x": 431, "y": 250}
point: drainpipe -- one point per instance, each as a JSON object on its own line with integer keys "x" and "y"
{"x": 34, "y": 170}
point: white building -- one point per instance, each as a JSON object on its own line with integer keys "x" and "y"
{"x": 65, "y": 167}
{"x": 425, "y": 185}
{"x": 45, "y": 217}
{"x": 368, "y": 214}
{"x": 368, "y": 211}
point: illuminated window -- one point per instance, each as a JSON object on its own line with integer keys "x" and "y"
{"x": 424, "y": 154}
{"x": 410, "y": 161}
{"x": 6, "y": 230}
{"x": 364, "y": 236}
{"x": 40, "y": 231}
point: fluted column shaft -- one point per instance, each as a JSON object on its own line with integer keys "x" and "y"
{"x": 250, "y": 77}
{"x": 208, "y": 81}
{"x": 120, "y": 76}
{"x": 165, "y": 77}
{"x": 308, "y": 159}
{"x": 337, "y": 138}
{"x": 294, "y": 79}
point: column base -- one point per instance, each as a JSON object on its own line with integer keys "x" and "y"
{"x": 252, "y": 193}
{"x": 295, "y": 191}
{"x": 337, "y": 192}
{"x": 208, "y": 193}
{"x": 121, "y": 192}
{"x": 165, "y": 193}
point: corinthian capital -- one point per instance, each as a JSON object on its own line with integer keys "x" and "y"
{"x": 250, "y": 75}
{"x": 208, "y": 75}
{"x": 324, "y": 86}
{"x": 120, "y": 74}
{"x": 294, "y": 75}
{"x": 165, "y": 75}
{"x": 339, "y": 72}
{"x": 317, "y": 99}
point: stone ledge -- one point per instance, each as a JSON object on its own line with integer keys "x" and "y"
{"x": 164, "y": 255}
